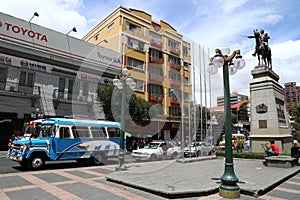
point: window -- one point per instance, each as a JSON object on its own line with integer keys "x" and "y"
{"x": 98, "y": 132}
{"x": 133, "y": 28}
{"x": 64, "y": 133}
{"x": 186, "y": 66}
{"x": 139, "y": 85}
{"x": 85, "y": 90}
{"x": 175, "y": 77}
{"x": 174, "y": 45}
{"x": 156, "y": 72}
{"x": 113, "y": 132}
{"x": 185, "y": 51}
{"x": 96, "y": 37}
{"x": 134, "y": 63}
{"x": 80, "y": 132}
{"x": 155, "y": 39}
{"x": 111, "y": 26}
{"x": 175, "y": 111}
{"x": 155, "y": 90}
{"x": 26, "y": 82}
{"x": 174, "y": 60}
{"x": 135, "y": 44}
{"x": 155, "y": 54}
{"x": 61, "y": 87}
{"x": 186, "y": 81}
{"x": 3, "y": 77}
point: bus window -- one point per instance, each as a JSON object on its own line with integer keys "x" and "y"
{"x": 64, "y": 133}
{"x": 80, "y": 132}
{"x": 113, "y": 132}
{"x": 98, "y": 132}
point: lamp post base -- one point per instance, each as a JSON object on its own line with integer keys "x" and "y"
{"x": 230, "y": 193}
{"x": 121, "y": 163}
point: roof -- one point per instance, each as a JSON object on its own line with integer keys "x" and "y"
{"x": 221, "y": 108}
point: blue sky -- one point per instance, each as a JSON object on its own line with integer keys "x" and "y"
{"x": 210, "y": 24}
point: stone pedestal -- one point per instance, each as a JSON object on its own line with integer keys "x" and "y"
{"x": 268, "y": 114}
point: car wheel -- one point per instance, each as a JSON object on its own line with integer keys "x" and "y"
{"x": 153, "y": 157}
{"x": 198, "y": 154}
{"x": 36, "y": 162}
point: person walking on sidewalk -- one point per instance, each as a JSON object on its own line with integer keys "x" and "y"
{"x": 273, "y": 149}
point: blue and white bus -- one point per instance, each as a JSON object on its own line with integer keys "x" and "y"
{"x": 68, "y": 139}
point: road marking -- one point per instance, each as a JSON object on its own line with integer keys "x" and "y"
{"x": 3, "y": 196}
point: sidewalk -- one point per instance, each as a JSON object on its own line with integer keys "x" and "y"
{"x": 181, "y": 178}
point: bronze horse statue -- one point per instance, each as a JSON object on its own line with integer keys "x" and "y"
{"x": 262, "y": 50}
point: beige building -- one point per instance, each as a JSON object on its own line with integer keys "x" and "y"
{"x": 157, "y": 56}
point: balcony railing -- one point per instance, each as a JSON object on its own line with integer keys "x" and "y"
{"x": 155, "y": 97}
{"x": 156, "y": 44}
{"x": 156, "y": 60}
{"x": 14, "y": 87}
{"x": 174, "y": 51}
{"x": 175, "y": 66}
{"x": 174, "y": 101}
{"x": 155, "y": 77}
{"x": 66, "y": 96}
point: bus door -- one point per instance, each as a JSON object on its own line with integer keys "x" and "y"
{"x": 64, "y": 145}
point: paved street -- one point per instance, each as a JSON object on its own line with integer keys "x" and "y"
{"x": 91, "y": 182}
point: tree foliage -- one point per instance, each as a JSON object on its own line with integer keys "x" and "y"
{"x": 294, "y": 111}
{"x": 137, "y": 108}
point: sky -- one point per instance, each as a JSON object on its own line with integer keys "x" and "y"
{"x": 209, "y": 24}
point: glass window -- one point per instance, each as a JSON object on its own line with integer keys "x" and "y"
{"x": 98, "y": 132}
{"x": 111, "y": 26}
{"x": 139, "y": 85}
{"x": 133, "y": 28}
{"x": 80, "y": 132}
{"x": 134, "y": 63}
{"x": 3, "y": 77}
{"x": 133, "y": 43}
{"x": 64, "y": 133}
{"x": 61, "y": 87}
{"x": 113, "y": 132}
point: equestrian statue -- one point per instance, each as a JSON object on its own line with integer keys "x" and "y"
{"x": 262, "y": 49}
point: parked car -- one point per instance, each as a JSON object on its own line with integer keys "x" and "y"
{"x": 153, "y": 151}
{"x": 198, "y": 149}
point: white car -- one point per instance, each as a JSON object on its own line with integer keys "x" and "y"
{"x": 153, "y": 151}
{"x": 198, "y": 149}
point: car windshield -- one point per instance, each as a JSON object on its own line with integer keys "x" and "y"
{"x": 152, "y": 146}
{"x": 194, "y": 144}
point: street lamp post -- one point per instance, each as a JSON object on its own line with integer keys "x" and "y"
{"x": 228, "y": 187}
{"x": 121, "y": 84}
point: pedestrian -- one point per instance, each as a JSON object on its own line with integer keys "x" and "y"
{"x": 9, "y": 146}
{"x": 165, "y": 150}
{"x": 248, "y": 145}
{"x": 273, "y": 149}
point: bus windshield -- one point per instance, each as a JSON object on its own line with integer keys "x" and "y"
{"x": 46, "y": 130}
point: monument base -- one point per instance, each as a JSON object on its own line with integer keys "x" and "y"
{"x": 258, "y": 143}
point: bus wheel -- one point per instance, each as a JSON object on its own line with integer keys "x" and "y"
{"x": 98, "y": 159}
{"x": 36, "y": 162}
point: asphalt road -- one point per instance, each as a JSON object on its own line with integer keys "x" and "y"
{"x": 9, "y": 166}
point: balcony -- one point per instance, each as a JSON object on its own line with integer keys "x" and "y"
{"x": 155, "y": 44}
{"x": 155, "y": 97}
{"x": 174, "y": 51}
{"x": 66, "y": 97}
{"x": 174, "y": 101}
{"x": 175, "y": 82}
{"x": 156, "y": 60}
{"x": 174, "y": 66}
{"x": 155, "y": 77}
{"x": 15, "y": 90}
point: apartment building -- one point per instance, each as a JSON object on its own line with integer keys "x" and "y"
{"x": 291, "y": 94}
{"x": 157, "y": 56}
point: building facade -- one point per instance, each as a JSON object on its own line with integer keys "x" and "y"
{"x": 235, "y": 98}
{"x": 291, "y": 94}
{"x": 158, "y": 58}
{"x": 44, "y": 73}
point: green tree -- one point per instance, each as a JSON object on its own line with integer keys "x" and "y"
{"x": 294, "y": 111}
{"x": 138, "y": 107}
